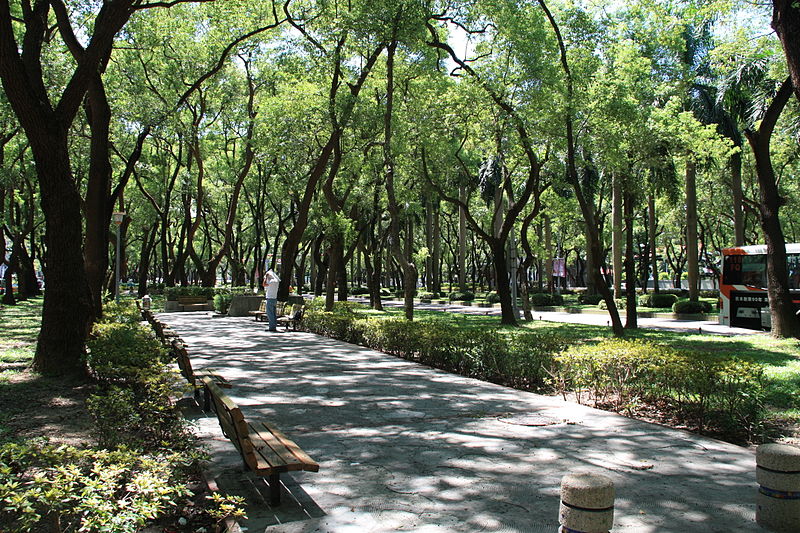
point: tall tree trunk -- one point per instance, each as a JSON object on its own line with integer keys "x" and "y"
{"x": 462, "y": 239}
{"x": 616, "y": 232}
{"x": 409, "y": 270}
{"x": 784, "y": 321}
{"x": 437, "y": 249}
{"x": 692, "y": 255}
{"x": 735, "y": 165}
{"x": 651, "y": 236}
{"x": 631, "y": 319}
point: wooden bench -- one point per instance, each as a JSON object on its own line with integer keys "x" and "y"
{"x": 185, "y": 367}
{"x": 194, "y": 303}
{"x": 261, "y": 313}
{"x": 293, "y": 318}
{"x": 264, "y": 449}
{"x": 164, "y": 334}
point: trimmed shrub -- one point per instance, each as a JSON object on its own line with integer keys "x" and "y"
{"x": 702, "y": 388}
{"x": 688, "y": 307}
{"x": 589, "y": 299}
{"x": 657, "y": 300}
{"x": 222, "y": 301}
{"x": 120, "y": 352}
{"x": 709, "y": 294}
{"x": 492, "y": 298}
{"x": 358, "y": 291}
{"x": 466, "y": 296}
{"x": 545, "y": 299}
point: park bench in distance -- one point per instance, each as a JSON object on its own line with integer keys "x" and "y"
{"x": 261, "y": 313}
{"x": 185, "y": 366}
{"x": 293, "y": 318}
{"x": 193, "y": 303}
{"x": 264, "y": 449}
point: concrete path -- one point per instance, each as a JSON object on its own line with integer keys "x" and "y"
{"x": 404, "y": 447}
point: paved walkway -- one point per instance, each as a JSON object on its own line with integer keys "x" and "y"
{"x": 403, "y": 447}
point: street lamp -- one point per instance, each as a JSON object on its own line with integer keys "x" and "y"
{"x": 117, "y": 217}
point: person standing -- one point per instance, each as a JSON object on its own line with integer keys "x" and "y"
{"x": 271, "y": 282}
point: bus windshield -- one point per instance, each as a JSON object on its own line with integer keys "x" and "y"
{"x": 751, "y": 270}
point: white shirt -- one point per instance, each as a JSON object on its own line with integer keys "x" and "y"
{"x": 272, "y": 285}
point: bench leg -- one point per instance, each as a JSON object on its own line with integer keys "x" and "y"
{"x": 275, "y": 489}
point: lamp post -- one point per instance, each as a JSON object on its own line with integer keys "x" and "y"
{"x": 117, "y": 217}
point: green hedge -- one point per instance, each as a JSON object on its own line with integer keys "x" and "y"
{"x": 589, "y": 299}
{"x": 545, "y": 299}
{"x": 702, "y": 388}
{"x": 521, "y": 361}
{"x": 688, "y": 307}
{"x": 465, "y": 296}
{"x": 172, "y": 293}
{"x": 657, "y": 300}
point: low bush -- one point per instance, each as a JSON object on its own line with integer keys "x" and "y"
{"x": 545, "y": 299}
{"x": 707, "y": 390}
{"x": 124, "y": 312}
{"x": 358, "y": 291}
{"x": 589, "y": 299}
{"x": 426, "y": 295}
{"x": 119, "y": 351}
{"x": 492, "y": 298}
{"x": 709, "y": 294}
{"x": 657, "y": 300}
{"x": 222, "y": 301}
{"x": 60, "y": 488}
{"x": 620, "y": 303}
{"x": 688, "y": 307}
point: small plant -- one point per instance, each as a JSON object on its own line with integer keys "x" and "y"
{"x": 492, "y": 298}
{"x": 222, "y": 301}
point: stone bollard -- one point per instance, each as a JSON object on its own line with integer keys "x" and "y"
{"x": 587, "y": 504}
{"x": 778, "y": 476}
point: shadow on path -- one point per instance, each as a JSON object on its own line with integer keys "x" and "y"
{"x": 402, "y": 446}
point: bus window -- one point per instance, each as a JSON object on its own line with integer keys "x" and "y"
{"x": 754, "y": 270}
{"x": 793, "y": 264}
{"x": 747, "y": 270}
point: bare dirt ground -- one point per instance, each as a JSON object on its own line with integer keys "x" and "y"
{"x": 36, "y": 406}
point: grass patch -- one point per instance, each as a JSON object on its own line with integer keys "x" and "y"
{"x": 20, "y": 327}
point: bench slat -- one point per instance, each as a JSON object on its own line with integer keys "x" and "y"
{"x": 289, "y": 451}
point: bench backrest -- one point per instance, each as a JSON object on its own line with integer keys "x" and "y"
{"x": 184, "y": 363}
{"x": 279, "y": 307}
{"x": 263, "y": 307}
{"x": 232, "y": 421}
{"x": 188, "y": 300}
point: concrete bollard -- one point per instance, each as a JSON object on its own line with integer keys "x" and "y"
{"x": 587, "y": 504}
{"x": 778, "y": 476}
